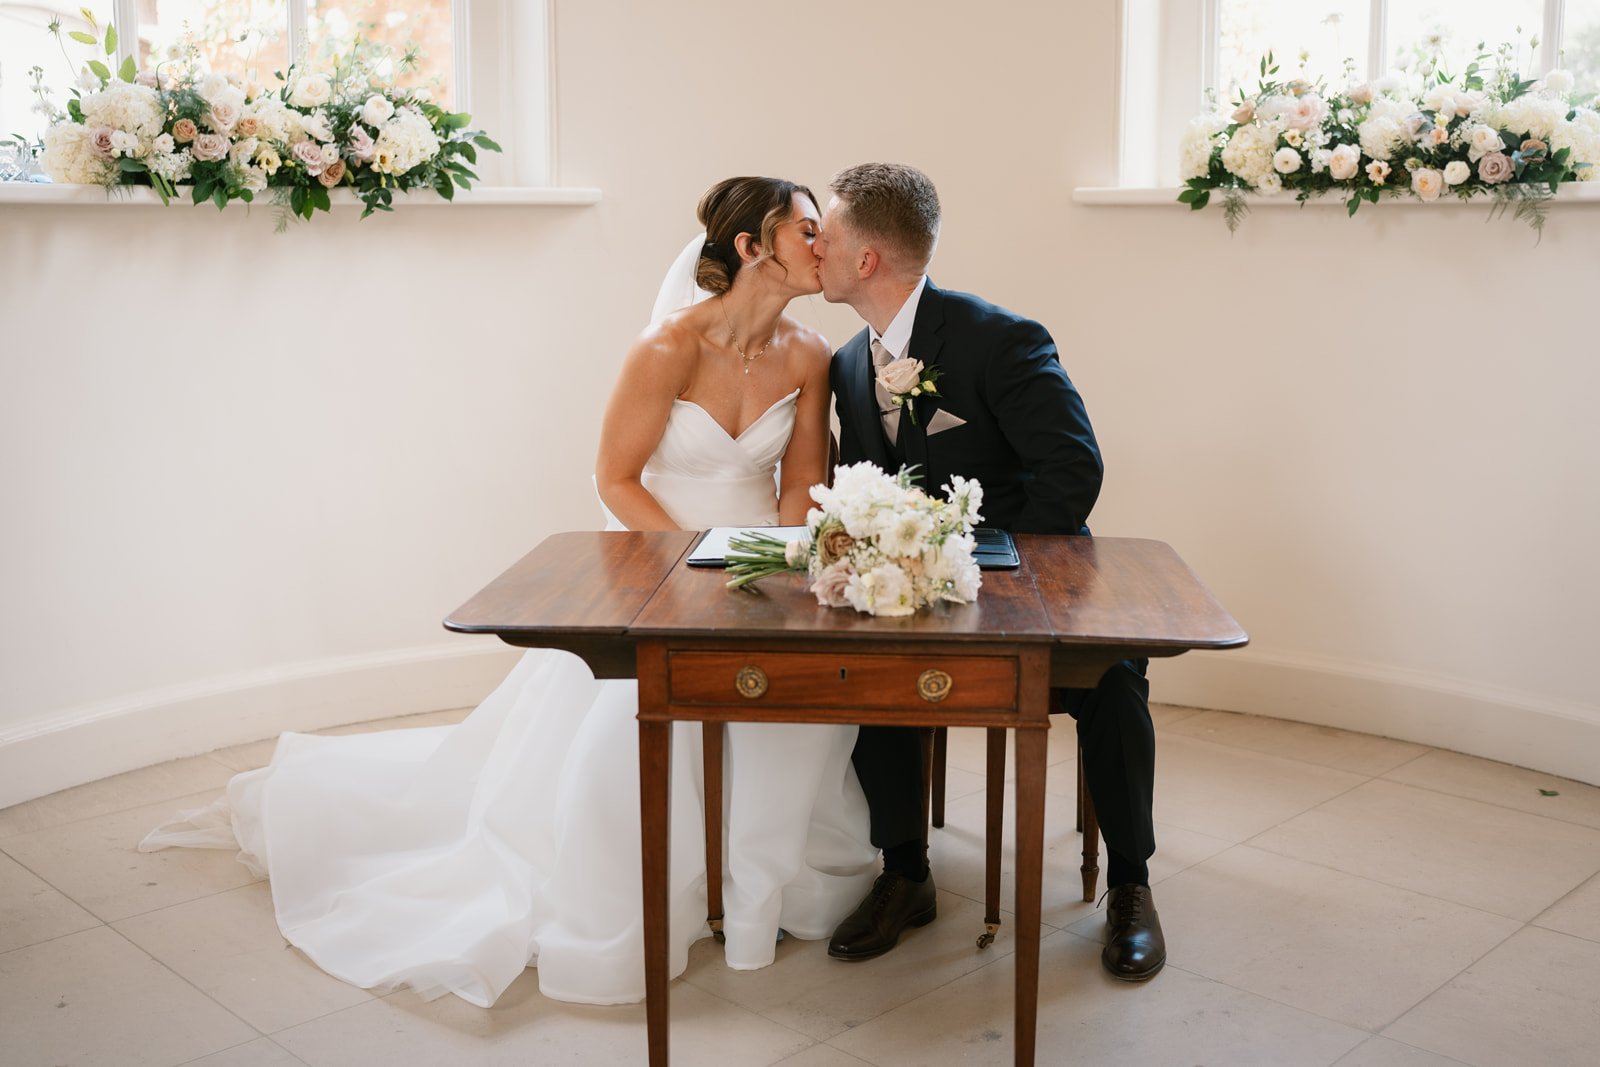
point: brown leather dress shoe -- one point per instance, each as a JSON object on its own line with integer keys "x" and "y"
{"x": 895, "y": 903}
{"x": 1135, "y": 947}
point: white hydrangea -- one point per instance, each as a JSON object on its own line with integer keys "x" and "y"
{"x": 125, "y": 106}
{"x": 1381, "y": 137}
{"x": 69, "y": 158}
{"x": 1248, "y": 154}
{"x": 280, "y": 124}
{"x": 1582, "y": 136}
{"x": 1199, "y": 139}
{"x": 1530, "y": 116}
{"x": 405, "y": 141}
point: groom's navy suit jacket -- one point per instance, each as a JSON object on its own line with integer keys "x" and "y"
{"x": 1027, "y": 438}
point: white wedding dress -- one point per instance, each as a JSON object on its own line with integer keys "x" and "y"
{"x": 448, "y": 859}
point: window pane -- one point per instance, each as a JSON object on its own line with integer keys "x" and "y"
{"x": 1455, "y": 29}
{"x": 408, "y": 41}
{"x": 248, "y": 38}
{"x": 1328, "y": 31}
{"x": 1580, "y": 46}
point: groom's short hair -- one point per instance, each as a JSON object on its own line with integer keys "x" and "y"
{"x": 893, "y": 205}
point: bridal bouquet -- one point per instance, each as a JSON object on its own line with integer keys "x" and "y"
{"x": 1488, "y": 131}
{"x": 876, "y": 543}
{"x": 310, "y": 133}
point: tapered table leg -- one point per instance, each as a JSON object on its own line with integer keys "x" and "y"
{"x": 1031, "y": 763}
{"x": 655, "y": 780}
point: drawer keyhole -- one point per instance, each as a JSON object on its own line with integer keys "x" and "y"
{"x": 844, "y": 673}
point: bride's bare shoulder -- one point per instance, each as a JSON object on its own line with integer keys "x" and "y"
{"x": 807, "y": 340}
{"x": 675, "y": 341}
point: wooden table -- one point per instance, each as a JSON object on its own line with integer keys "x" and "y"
{"x": 627, "y": 604}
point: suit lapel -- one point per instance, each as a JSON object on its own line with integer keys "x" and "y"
{"x": 926, "y": 344}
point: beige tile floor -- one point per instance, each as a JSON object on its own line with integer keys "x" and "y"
{"x": 1329, "y": 898}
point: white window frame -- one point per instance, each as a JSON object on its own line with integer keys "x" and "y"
{"x": 1169, "y": 57}
{"x": 511, "y": 91}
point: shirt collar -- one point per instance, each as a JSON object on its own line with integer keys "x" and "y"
{"x": 898, "y": 336}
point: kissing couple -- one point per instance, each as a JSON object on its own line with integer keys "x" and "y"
{"x": 449, "y": 859}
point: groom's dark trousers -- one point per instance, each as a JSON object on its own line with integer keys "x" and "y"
{"x": 1026, "y": 439}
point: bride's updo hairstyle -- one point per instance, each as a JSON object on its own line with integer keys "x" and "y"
{"x": 757, "y": 206}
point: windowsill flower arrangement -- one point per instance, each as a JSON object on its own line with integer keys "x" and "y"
{"x": 311, "y": 133}
{"x": 877, "y": 543}
{"x": 1487, "y": 132}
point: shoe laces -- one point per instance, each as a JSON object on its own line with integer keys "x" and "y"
{"x": 1127, "y": 906}
{"x": 882, "y": 891}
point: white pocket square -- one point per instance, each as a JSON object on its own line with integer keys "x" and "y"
{"x": 942, "y": 420}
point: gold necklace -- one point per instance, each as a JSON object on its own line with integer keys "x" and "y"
{"x": 734, "y": 337}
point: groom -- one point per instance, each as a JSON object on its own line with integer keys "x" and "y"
{"x": 1006, "y": 414}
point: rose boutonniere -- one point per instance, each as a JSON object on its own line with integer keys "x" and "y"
{"x": 906, "y": 379}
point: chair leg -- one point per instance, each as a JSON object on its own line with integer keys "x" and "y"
{"x": 712, "y": 734}
{"x": 993, "y": 832}
{"x": 940, "y": 752}
{"x": 1089, "y": 825}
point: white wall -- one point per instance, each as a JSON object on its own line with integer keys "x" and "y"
{"x": 245, "y": 475}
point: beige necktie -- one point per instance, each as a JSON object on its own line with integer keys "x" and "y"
{"x": 886, "y": 406}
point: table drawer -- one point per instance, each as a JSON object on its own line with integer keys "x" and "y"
{"x": 824, "y": 680}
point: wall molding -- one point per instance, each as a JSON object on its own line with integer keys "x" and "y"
{"x": 1510, "y": 726}
{"x": 142, "y": 729}
{"x": 95, "y": 741}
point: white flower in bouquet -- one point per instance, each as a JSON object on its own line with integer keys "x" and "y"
{"x": 1427, "y": 183}
{"x": 222, "y": 116}
{"x": 1481, "y": 139}
{"x": 279, "y": 124}
{"x": 884, "y": 590}
{"x": 1248, "y": 154}
{"x": 1199, "y": 138}
{"x": 214, "y": 87}
{"x": 1558, "y": 81}
{"x": 1581, "y": 136}
{"x": 255, "y": 179}
{"x": 1456, "y": 171}
{"x": 243, "y": 151}
{"x": 1286, "y": 161}
{"x": 377, "y": 110}
{"x": 1345, "y": 163}
{"x": 124, "y": 143}
{"x": 164, "y": 145}
{"x": 1530, "y": 116}
{"x": 312, "y": 90}
{"x": 1269, "y": 184}
{"x": 315, "y": 124}
{"x": 173, "y": 166}
{"x": 1305, "y": 112}
{"x": 69, "y": 156}
{"x": 1382, "y": 136}
{"x": 135, "y": 109}
{"x": 406, "y": 140}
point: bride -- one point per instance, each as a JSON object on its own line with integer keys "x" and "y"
{"x": 448, "y": 859}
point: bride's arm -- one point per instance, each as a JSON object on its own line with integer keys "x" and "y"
{"x": 805, "y": 461}
{"x": 654, "y": 372}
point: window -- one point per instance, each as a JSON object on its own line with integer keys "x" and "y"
{"x": 420, "y": 42}
{"x": 1174, "y": 51}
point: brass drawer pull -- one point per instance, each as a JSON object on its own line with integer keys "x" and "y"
{"x": 751, "y": 682}
{"x": 933, "y": 685}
